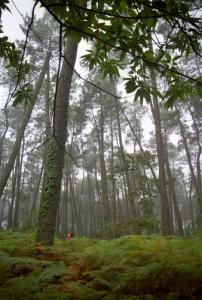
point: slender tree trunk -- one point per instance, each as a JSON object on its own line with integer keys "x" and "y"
{"x": 74, "y": 203}
{"x": 13, "y": 189}
{"x": 113, "y": 181}
{"x": 196, "y": 183}
{"x": 51, "y": 187}
{"x": 139, "y": 144}
{"x": 198, "y": 162}
{"x": 183, "y": 134}
{"x": 90, "y": 195}
{"x": 120, "y": 213}
{"x": 20, "y": 133}
{"x": 2, "y": 138}
{"x": 2, "y": 218}
{"x": 130, "y": 191}
{"x": 18, "y": 187}
{"x": 126, "y": 206}
{"x": 165, "y": 215}
{"x": 15, "y": 217}
{"x": 91, "y": 206}
{"x": 104, "y": 183}
{"x": 189, "y": 204}
{"x": 171, "y": 185}
{"x": 36, "y": 193}
{"x": 165, "y": 211}
{"x": 99, "y": 211}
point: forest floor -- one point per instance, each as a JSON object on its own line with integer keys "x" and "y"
{"x": 131, "y": 267}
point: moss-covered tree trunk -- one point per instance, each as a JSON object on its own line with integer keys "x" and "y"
{"x": 51, "y": 186}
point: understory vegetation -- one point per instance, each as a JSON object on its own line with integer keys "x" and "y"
{"x": 100, "y": 150}
{"x": 130, "y": 267}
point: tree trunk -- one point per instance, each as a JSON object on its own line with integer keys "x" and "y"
{"x": 99, "y": 211}
{"x": 196, "y": 183}
{"x": 198, "y": 165}
{"x": 17, "y": 192}
{"x": 3, "y": 137}
{"x": 113, "y": 181}
{"x": 13, "y": 189}
{"x": 104, "y": 183}
{"x": 20, "y": 133}
{"x": 171, "y": 185}
{"x": 184, "y": 138}
{"x": 165, "y": 211}
{"x": 130, "y": 191}
{"x": 90, "y": 195}
{"x": 18, "y": 187}
{"x": 74, "y": 199}
{"x": 51, "y": 187}
{"x": 140, "y": 145}
{"x": 165, "y": 215}
{"x": 36, "y": 192}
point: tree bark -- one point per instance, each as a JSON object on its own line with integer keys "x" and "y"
{"x": 20, "y": 133}
{"x": 13, "y": 189}
{"x": 3, "y": 137}
{"x": 130, "y": 191}
{"x": 104, "y": 183}
{"x": 171, "y": 185}
{"x": 36, "y": 192}
{"x": 51, "y": 187}
{"x": 17, "y": 192}
{"x": 165, "y": 214}
{"x": 113, "y": 181}
{"x": 196, "y": 180}
{"x": 198, "y": 159}
{"x": 139, "y": 144}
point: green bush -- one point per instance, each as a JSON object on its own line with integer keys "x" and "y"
{"x": 132, "y": 226}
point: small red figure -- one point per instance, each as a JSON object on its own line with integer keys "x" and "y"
{"x": 69, "y": 236}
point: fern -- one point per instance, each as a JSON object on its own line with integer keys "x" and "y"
{"x": 131, "y": 267}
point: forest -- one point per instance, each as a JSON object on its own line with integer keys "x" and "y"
{"x": 100, "y": 137}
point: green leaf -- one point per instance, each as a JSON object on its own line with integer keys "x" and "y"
{"x": 122, "y": 55}
{"x": 199, "y": 91}
{"x": 101, "y": 5}
{"x": 131, "y": 85}
{"x": 24, "y": 94}
{"x": 170, "y": 101}
{"x": 139, "y": 94}
{"x": 168, "y": 57}
{"x": 149, "y": 54}
{"x": 4, "y": 6}
{"x": 151, "y": 22}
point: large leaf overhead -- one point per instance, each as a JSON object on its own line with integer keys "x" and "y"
{"x": 127, "y": 27}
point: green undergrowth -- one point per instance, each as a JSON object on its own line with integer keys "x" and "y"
{"x": 131, "y": 267}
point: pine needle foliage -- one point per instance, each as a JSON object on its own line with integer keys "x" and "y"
{"x": 131, "y": 267}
